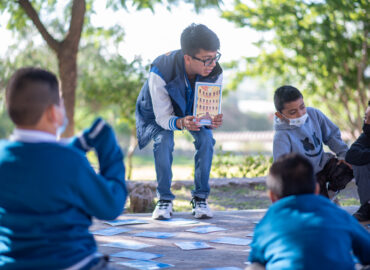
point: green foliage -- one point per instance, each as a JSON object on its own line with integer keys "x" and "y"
{"x": 319, "y": 46}
{"x": 109, "y": 83}
{"x": 228, "y": 165}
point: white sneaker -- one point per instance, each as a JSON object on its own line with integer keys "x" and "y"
{"x": 163, "y": 210}
{"x": 200, "y": 208}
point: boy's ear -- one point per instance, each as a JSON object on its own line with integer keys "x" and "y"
{"x": 272, "y": 196}
{"x": 279, "y": 115}
{"x": 187, "y": 58}
{"x": 317, "y": 189}
{"x": 51, "y": 113}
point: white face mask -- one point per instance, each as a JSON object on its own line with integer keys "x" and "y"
{"x": 298, "y": 122}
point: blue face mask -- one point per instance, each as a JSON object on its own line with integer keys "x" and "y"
{"x": 62, "y": 128}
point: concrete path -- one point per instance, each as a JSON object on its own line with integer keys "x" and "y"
{"x": 238, "y": 224}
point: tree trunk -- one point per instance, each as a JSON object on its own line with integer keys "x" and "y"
{"x": 68, "y": 77}
{"x": 130, "y": 152}
{"x": 66, "y": 51}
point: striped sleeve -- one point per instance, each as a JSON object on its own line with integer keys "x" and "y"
{"x": 162, "y": 105}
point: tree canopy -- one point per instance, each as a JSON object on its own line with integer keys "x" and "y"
{"x": 320, "y": 46}
{"x": 63, "y": 32}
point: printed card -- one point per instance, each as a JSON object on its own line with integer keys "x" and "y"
{"x": 145, "y": 265}
{"x": 127, "y": 244}
{"x": 206, "y": 229}
{"x": 192, "y": 245}
{"x": 224, "y": 268}
{"x": 136, "y": 255}
{"x": 160, "y": 235}
{"x": 110, "y": 231}
{"x": 232, "y": 241}
{"x": 180, "y": 221}
{"x": 120, "y": 222}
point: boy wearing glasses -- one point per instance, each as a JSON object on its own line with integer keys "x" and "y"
{"x": 305, "y": 130}
{"x": 165, "y": 104}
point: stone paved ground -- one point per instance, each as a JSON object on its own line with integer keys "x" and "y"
{"x": 238, "y": 224}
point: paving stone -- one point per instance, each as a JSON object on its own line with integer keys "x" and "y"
{"x": 238, "y": 224}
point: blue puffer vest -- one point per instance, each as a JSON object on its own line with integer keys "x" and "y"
{"x": 171, "y": 68}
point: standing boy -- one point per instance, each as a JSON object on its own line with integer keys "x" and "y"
{"x": 302, "y": 230}
{"x": 48, "y": 191}
{"x": 305, "y": 130}
{"x": 165, "y": 104}
{"x": 359, "y": 156}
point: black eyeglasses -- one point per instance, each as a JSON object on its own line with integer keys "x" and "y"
{"x": 209, "y": 61}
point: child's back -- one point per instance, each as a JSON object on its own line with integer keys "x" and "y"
{"x": 48, "y": 190}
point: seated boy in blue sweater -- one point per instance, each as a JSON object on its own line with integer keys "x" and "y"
{"x": 359, "y": 156}
{"x": 304, "y": 130}
{"x": 302, "y": 230}
{"x": 48, "y": 190}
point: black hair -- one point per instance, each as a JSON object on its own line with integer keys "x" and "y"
{"x": 29, "y": 93}
{"x": 285, "y": 94}
{"x": 368, "y": 103}
{"x": 196, "y": 37}
{"x": 291, "y": 174}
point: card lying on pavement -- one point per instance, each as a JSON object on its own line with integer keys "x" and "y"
{"x": 232, "y": 241}
{"x": 145, "y": 265}
{"x": 224, "y": 268}
{"x": 180, "y": 221}
{"x": 120, "y": 222}
{"x": 192, "y": 245}
{"x": 127, "y": 244}
{"x": 136, "y": 255}
{"x": 206, "y": 229}
{"x": 110, "y": 231}
{"x": 160, "y": 235}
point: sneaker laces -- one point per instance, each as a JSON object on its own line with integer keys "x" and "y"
{"x": 201, "y": 203}
{"x": 163, "y": 204}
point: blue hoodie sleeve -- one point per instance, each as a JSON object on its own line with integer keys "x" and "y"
{"x": 106, "y": 193}
{"x": 281, "y": 144}
{"x": 360, "y": 242}
{"x": 331, "y": 135}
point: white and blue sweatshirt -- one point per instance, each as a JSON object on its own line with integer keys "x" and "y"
{"x": 166, "y": 96}
{"x": 308, "y": 140}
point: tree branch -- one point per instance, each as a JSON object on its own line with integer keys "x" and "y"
{"x": 76, "y": 23}
{"x": 32, "y": 14}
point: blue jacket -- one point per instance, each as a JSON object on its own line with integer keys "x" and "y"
{"x": 309, "y": 232}
{"x": 48, "y": 195}
{"x": 309, "y": 139}
{"x": 173, "y": 93}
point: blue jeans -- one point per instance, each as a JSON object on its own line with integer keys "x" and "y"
{"x": 163, "y": 148}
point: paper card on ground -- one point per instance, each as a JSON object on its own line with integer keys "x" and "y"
{"x": 110, "y": 231}
{"x": 224, "y": 268}
{"x": 180, "y": 221}
{"x": 206, "y": 229}
{"x": 128, "y": 244}
{"x": 120, "y": 222}
{"x": 192, "y": 245}
{"x": 136, "y": 255}
{"x": 145, "y": 265}
{"x": 160, "y": 235}
{"x": 232, "y": 241}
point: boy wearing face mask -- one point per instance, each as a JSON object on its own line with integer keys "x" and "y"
{"x": 48, "y": 190}
{"x": 359, "y": 156}
{"x": 305, "y": 130}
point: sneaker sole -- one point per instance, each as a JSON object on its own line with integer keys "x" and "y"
{"x": 162, "y": 217}
{"x": 202, "y": 216}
